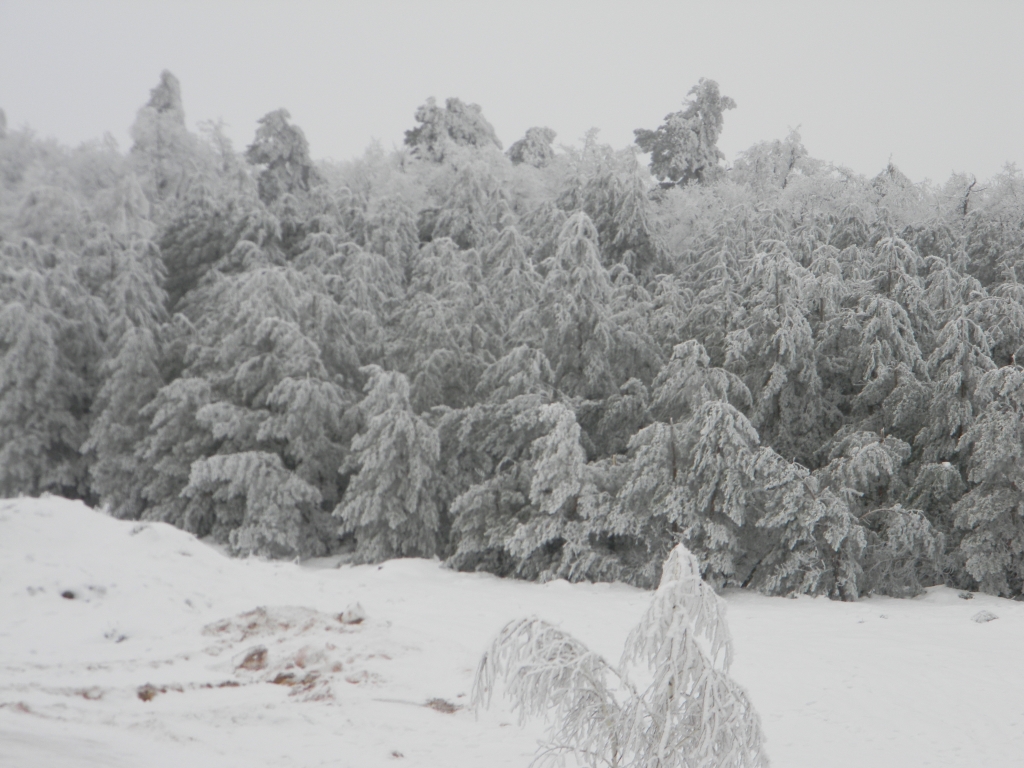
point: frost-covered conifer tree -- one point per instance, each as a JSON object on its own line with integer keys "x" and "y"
{"x": 264, "y": 508}
{"x": 690, "y": 714}
{"x": 366, "y": 287}
{"x": 133, "y": 379}
{"x": 903, "y": 550}
{"x": 684, "y": 147}
{"x": 448, "y": 336}
{"x": 956, "y": 366}
{"x": 264, "y": 395}
{"x": 686, "y": 382}
{"x": 439, "y": 130}
{"x": 811, "y": 542}
{"x": 512, "y": 280}
{"x": 693, "y": 483}
{"x": 558, "y": 461}
{"x": 468, "y": 214}
{"x": 534, "y": 148}
{"x": 886, "y": 356}
{"x": 391, "y": 504}
{"x": 574, "y": 310}
{"x": 51, "y": 335}
{"x": 282, "y": 151}
{"x": 992, "y": 512}
{"x": 489, "y": 473}
{"x": 778, "y": 357}
{"x": 174, "y": 439}
{"x": 164, "y": 154}
{"x": 393, "y": 234}
{"x": 558, "y": 479}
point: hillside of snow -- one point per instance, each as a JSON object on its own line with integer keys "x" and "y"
{"x": 135, "y": 644}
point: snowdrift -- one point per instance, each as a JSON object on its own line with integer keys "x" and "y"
{"x": 135, "y": 644}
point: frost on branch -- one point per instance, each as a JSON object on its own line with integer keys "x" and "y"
{"x": 270, "y": 510}
{"x": 546, "y": 671}
{"x": 391, "y": 503}
{"x": 559, "y": 460}
{"x": 691, "y": 715}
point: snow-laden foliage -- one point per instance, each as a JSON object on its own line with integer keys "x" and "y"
{"x": 534, "y": 148}
{"x": 282, "y": 151}
{"x": 782, "y": 364}
{"x": 267, "y": 509}
{"x": 992, "y": 512}
{"x": 669, "y": 702}
{"x": 904, "y": 552}
{"x": 133, "y": 381}
{"x": 558, "y": 460}
{"x": 51, "y": 336}
{"x": 686, "y": 382}
{"x": 684, "y": 148}
{"x": 390, "y": 505}
{"x": 812, "y": 542}
{"x": 458, "y": 124}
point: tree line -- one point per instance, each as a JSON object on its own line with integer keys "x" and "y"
{"x": 545, "y": 362}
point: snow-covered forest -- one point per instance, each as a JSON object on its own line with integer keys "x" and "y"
{"x": 551, "y": 361}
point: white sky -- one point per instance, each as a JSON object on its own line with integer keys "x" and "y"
{"x": 937, "y": 86}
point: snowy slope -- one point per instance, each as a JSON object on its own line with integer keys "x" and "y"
{"x": 881, "y": 682}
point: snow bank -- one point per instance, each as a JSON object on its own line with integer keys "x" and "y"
{"x": 129, "y": 644}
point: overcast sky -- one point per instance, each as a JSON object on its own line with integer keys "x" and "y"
{"x": 935, "y": 86}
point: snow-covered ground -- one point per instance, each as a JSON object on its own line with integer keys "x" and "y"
{"x": 93, "y": 610}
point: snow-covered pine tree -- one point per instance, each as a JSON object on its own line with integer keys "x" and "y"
{"x": 262, "y": 507}
{"x": 717, "y": 310}
{"x": 611, "y": 423}
{"x": 867, "y": 469}
{"x": 903, "y": 550}
{"x": 956, "y": 366}
{"x": 512, "y": 279}
{"x": 936, "y": 488}
{"x": 132, "y": 381}
{"x": 534, "y": 148}
{"x": 488, "y": 470}
{"x": 767, "y": 166}
{"x": 164, "y": 154}
{"x": 391, "y": 504}
{"x": 558, "y": 475}
{"x": 690, "y": 715}
{"x": 558, "y": 461}
{"x": 1002, "y": 315}
{"x": 671, "y": 301}
{"x": 574, "y": 311}
{"x": 693, "y": 482}
{"x": 393, "y": 235}
{"x": 366, "y": 288}
{"x": 205, "y": 231}
{"x": 51, "y": 336}
{"x": 440, "y": 131}
{"x": 29, "y": 423}
{"x": 282, "y": 151}
{"x": 522, "y": 371}
{"x": 992, "y": 512}
{"x": 811, "y": 544}
{"x": 128, "y": 276}
{"x": 687, "y": 381}
{"x": 893, "y": 270}
{"x": 526, "y": 502}
{"x": 789, "y": 411}
{"x": 468, "y": 214}
{"x": 634, "y": 351}
{"x": 886, "y": 352}
{"x": 174, "y": 439}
